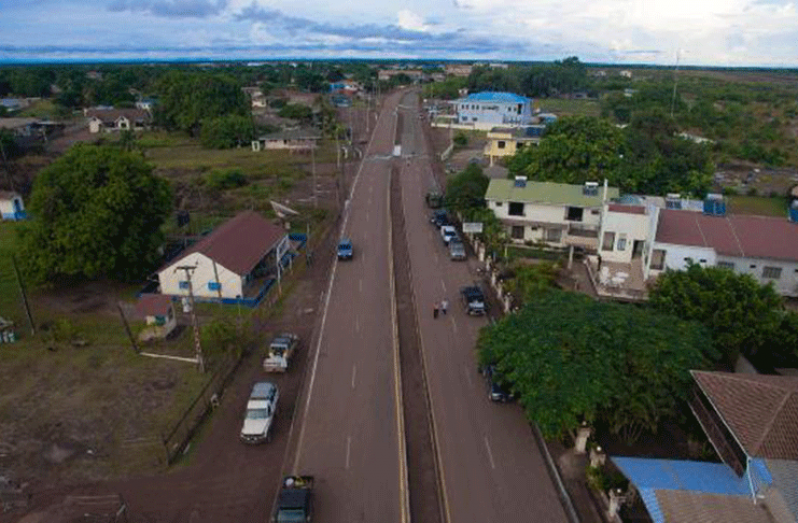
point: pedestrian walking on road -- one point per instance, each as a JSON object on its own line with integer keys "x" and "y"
{"x": 435, "y": 311}
{"x": 444, "y": 305}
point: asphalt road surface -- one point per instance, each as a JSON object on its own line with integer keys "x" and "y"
{"x": 347, "y": 431}
{"x": 492, "y": 467}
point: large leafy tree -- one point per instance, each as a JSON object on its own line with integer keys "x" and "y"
{"x": 571, "y": 358}
{"x": 227, "y": 131}
{"x": 97, "y": 211}
{"x": 741, "y": 314}
{"x": 466, "y": 190}
{"x": 574, "y": 150}
{"x": 186, "y": 99}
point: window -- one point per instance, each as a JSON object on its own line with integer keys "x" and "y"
{"x": 726, "y": 265}
{"x": 702, "y": 260}
{"x": 752, "y": 266}
{"x": 574, "y": 214}
{"x": 214, "y": 286}
{"x": 519, "y": 145}
{"x": 184, "y": 285}
{"x": 498, "y": 204}
{"x": 622, "y": 243}
{"x": 658, "y": 259}
{"x": 516, "y": 209}
{"x": 501, "y": 144}
{"x": 773, "y": 273}
{"x": 609, "y": 241}
{"x": 517, "y": 232}
{"x": 553, "y": 235}
{"x": 594, "y": 212}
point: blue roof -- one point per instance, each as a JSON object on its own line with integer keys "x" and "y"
{"x": 695, "y": 476}
{"x": 490, "y": 96}
{"x": 652, "y": 475}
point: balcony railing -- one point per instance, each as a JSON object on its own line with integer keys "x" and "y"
{"x": 583, "y": 232}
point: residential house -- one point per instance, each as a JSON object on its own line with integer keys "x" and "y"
{"x": 259, "y": 101}
{"x": 292, "y": 140}
{"x": 625, "y": 73}
{"x": 750, "y": 421}
{"x": 236, "y": 260}
{"x": 346, "y": 86}
{"x": 14, "y": 104}
{"x": 506, "y": 141}
{"x": 487, "y": 110}
{"x": 764, "y": 247}
{"x": 557, "y": 214}
{"x": 115, "y": 120}
{"x": 146, "y": 104}
{"x": 11, "y": 206}
{"x": 158, "y": 313}
{"x": 461, "y": 70}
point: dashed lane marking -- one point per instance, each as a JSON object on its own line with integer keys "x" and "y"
{"x": 490, "y": 454}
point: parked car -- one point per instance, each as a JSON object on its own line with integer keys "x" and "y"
{"x": 457, "y": 250}
{"x": 497, "y": 391}
{"x": 280, "y": 352}
{"x": 439, "y": 218}
{"x": 448, "y": 233}
{"x": 345, "y": 249}
{"x": 261, "y": 410}
{"x": 434, "y": 199}
{"x": 473, "y": 300}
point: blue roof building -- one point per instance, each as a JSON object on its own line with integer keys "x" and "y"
{"x": 487, "y": 110}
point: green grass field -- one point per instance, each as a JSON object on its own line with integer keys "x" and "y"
{"x": 759, "y": 205}
{"x": 39, "y": 109}
{"x": 569, "y": 107}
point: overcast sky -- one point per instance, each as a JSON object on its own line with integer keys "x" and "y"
{"x": 702, "y": 32}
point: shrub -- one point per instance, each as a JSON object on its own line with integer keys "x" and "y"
{"x": 229, "y": 179}
{"x": 460, "y": 139}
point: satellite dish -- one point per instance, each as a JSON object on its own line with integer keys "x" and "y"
{"x": 282, "y": 210}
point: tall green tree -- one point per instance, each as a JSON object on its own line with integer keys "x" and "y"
{"x": 570, "y": 358}
{"x": 97, "y": 212}
{"x": 741, "y": 314}
{"x": 186, "y": 99}
{"x": 227, "y": 131}
{"x": 466, "y": 190}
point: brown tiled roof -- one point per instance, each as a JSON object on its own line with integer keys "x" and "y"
{"x": 761, "y": 411}
{"x": 628, "y": 209}
{"x": 678, "y": 506}
{"x": 239, "y": 243}
{"x": 153, "y": 305}
{"x": 108, "y": 116}
{"x": 733, "y": 235}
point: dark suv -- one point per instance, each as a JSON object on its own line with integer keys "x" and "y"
{"x": 439, "y": 218}
{"x": 497, "y": 391}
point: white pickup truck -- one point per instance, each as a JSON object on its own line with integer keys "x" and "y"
{"x": 261, "y": 409}
{"x": 281, "y": 350}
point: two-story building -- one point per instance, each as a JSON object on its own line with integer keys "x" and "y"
{"x": 556, "y": 214}
{"x": 506, "y": 141}
{"x": 487, "y": 110}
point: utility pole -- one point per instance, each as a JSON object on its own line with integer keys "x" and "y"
{"x": 197, "y": 342}
{"x": 313, "y": 167}
{"x": 127, "y": 328}
{"x": 24, "y": 295}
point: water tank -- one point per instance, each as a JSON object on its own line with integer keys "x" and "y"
{"x": 714, "y": 205}
{"x": 794, "y": 211}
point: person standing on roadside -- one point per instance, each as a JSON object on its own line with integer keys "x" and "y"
{"x": 435, "y": 311}
{"x": 444, "y": 305}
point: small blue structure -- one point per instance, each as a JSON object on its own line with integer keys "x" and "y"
{"x": 714, "y": 205}
{"x": 11, "y": 206}
{"x": 794, "y": 211}
{"x": 490, "y": 109}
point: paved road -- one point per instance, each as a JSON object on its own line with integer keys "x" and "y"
{"x": 347, "y": 435}
{"x": 492, "y": 467}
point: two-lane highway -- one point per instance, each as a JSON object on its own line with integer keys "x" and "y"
{"x": 491, "y": 464}
{"x": 349, "y": 425}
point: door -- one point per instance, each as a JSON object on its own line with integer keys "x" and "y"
{"x": 637, "y": 248}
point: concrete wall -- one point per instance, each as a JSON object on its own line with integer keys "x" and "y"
{"x": 786, "y": 284}
{"x": 204, "y": 273}
{"x": 493, "y": 113}
{"x": 675, "y": 256}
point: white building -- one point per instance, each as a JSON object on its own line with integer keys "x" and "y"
{"x": 110, "y": 120}
{"x": 765, "y": 247}
{"x": 557, "y": 214}
{"x": 231, "y": 263}
{"x": 487, "y": 110}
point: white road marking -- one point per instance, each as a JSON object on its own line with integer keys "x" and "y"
{"x": 490, "y": 454}
{"x": 357, "y": 324}
{"x": 469, "y": 379}
{"x": 454, "y": 324}
{"x": 348, "y": 449}
{"x": 443, "y": 286}
{"x": 354, "y": 375}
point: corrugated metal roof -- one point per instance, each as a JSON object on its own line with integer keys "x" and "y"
{"x": 491, "y": 96}
{"x": 694, "y": 476}
{"x": 238, "y": 244}
{"x": 153, "y": 305}
{"x": 687, "y": 507}
{"x": 761, "y": 411}
{"x": 547, "y": 193}
{"x": 732, "y": 235}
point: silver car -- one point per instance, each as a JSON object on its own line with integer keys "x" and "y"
{"x": 457, "y": 250}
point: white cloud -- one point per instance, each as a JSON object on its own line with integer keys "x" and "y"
{"x": 411, "y": 21}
